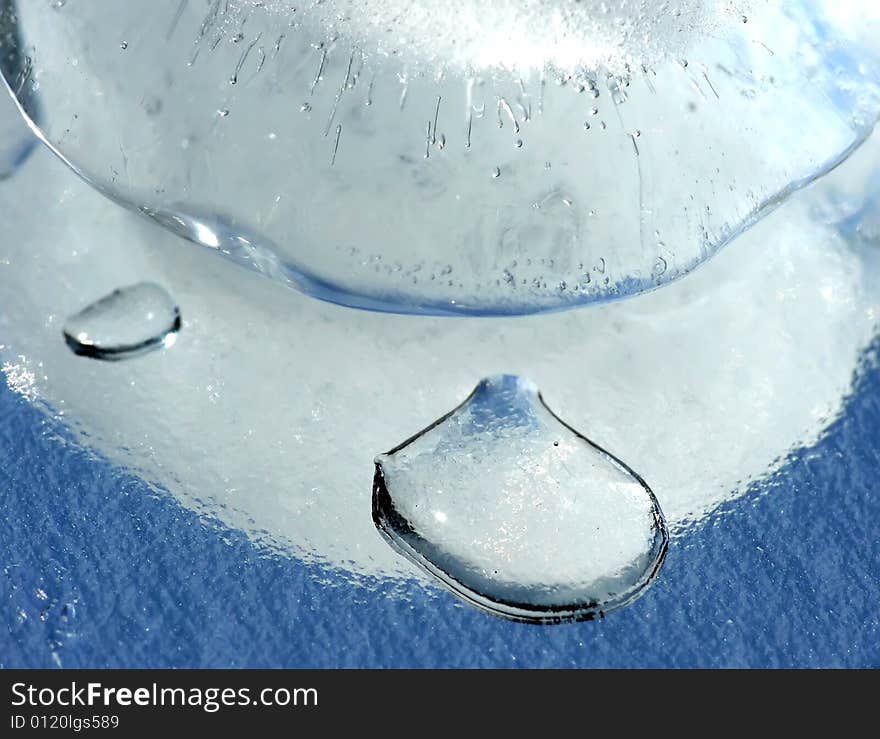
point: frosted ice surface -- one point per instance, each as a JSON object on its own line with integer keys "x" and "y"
{"x": 431, "y": 158}
{"x": 516, "y": 512}
{"x": 128, "y": 322}
{"x": 270, "y": 408}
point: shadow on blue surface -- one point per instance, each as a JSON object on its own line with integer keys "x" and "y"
{"x": 100, "y": 571}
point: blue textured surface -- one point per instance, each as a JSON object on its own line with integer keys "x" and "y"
{"x": 99, "y": 570}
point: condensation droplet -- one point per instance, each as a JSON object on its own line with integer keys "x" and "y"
{"x": 517, "y": 513}
{"x": 126, "y": 323}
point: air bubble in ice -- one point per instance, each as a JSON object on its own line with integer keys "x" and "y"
{"x": 518, "y": 513}
{"x": 126, "y": 323}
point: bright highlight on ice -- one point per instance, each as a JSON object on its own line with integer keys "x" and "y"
{"x": 518, "y": 34}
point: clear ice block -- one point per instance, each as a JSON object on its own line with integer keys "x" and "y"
{"x": 500, "y": 157}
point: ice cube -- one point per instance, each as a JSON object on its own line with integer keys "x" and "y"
{"x": 405, "y": 157}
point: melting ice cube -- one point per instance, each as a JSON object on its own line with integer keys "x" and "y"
{"x": 358, "y": 163}
{"x": 518, "y": 513}
{"x": 708, "y": 357}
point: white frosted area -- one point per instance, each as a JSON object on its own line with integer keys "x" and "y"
{"x": 521, "y": 35}
{"x": 128, "y": 320}
{"x": 509, "y": 506}
{"x": 389, "y": 180}
{"x": 269, "y": 410}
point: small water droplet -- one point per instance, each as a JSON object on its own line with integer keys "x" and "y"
{"x": 123, "y": 45}
{"x": 223, "y": 112}
{"x": 126, "y": 323}
{"x": 517, "y": 513}
{"x": 496, "y": 173}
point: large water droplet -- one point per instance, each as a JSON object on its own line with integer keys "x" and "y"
{"x": 518, "y": 513}
{"x": 124, "y": 324}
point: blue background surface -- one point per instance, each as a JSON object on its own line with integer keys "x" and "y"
{"x": 98, "y": 570}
